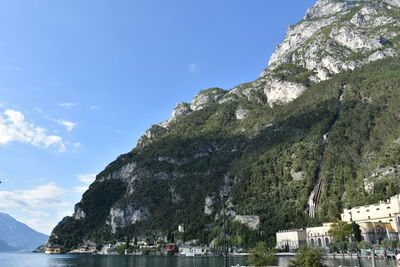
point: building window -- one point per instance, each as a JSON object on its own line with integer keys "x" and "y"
{"x": 367, "y": 210}
{"x": 358, "y": 211}
{"x": 369, "y": 217}
{"x": 388, "y": 207}
{"x": 377, "y": 208}
{"x": 390, "y": 215}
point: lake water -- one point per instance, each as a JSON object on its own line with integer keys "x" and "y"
{"x": 41, "y": 260}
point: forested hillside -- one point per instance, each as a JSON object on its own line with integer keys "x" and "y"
{"x": 319, "y": 130}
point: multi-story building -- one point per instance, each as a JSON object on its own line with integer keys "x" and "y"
{"x": 377, "y": 221}
{"x": 290, "y": 239}
{"x": 319, "y": 236}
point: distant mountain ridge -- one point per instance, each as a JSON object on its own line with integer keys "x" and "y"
{"x": 15, "y": 235}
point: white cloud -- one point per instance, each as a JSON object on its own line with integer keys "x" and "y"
{"x": 67, "y": 105}
{"x": 42, "y": 196}
{"x": 76, "y": 145}
{"x": 37, "y": 221}
{"x": 35, "y": 213}
{"x": 87, "y": 178}
{"x": 14, "y": 128}
{"x": 40, "y": 207}
{"x": 94, "y": 108}
{"x": 69, "y": 125}
{"x": 81, "y": 189}
{"x": 194, "y": 67}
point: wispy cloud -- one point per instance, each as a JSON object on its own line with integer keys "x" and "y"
{"x": 14, "y": 128}
{"x": 76, "y": 145}
{"x": 40, "y": 207}
{"x": 41, "y": 196}
{"x": 94, "y": 108}
{"x": 87, "y": 179}
{"x": 193, "y": 67}
{"x": 69, "y": 125}
{"x": 81, "y": 189}
{"x": 67, "y": 105}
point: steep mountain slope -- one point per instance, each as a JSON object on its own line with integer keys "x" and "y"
{"x": 15, "y": 235}
{"x": 5, "y": 247}
{"x": 317, "y": 131}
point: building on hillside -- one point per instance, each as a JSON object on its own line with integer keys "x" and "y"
{"x": 319, "y": 236}
{"x": 377, "y": 221}
{"x": 291, "y": 239}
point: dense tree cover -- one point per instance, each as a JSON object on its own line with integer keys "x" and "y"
{"x": 255, "y": 159}
{"x": 96, "y": 203}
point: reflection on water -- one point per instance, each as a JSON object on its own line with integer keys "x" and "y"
{"x": 350, "y": 262}
{"x": 41, "y": 260}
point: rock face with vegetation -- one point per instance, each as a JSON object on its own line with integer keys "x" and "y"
{"x": 314, "y": 132}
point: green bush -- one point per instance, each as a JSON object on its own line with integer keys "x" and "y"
{"x": 259, "y": 256}
{"x": 309, "y": 257}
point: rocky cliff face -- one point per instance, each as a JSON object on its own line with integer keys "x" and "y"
{"x": 263, "y": 144}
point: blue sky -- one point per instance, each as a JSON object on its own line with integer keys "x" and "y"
{"x": 80, "y": 82}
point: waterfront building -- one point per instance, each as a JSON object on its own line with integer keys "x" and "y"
{"x": 377, "y": 221}
{"x": 319, "y": 236}
{"x": 291, "y": 239}
{"x": 52, "y": 250}
{"x": 191, "y": 251}
{"x": 171, "y": 248}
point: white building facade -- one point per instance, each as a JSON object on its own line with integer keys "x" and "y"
{"x": 377, "y": 221}
{"x": 319, "y": 236}
{"x": 291, "y": 239}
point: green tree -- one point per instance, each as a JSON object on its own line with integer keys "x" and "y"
{"x": 341, "y": 231}
{"x": 342, "y": 246}
{"x": 352, "y": 247}
{"x": 309, "y": 257}
{"x": 389, "y": 244}
{"x": 356, "y": 232}
{"x": 121, "y": 249}
{"x": 260, "y": 257}
{"x": 364, "y": 245}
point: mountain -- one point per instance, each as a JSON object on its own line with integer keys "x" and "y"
{"x": 5, "y": 247}
{"x": 319, "y": 130}
{"x": 15, "y": 235}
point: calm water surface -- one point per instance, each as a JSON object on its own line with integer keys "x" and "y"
{"x": 41, "y": 260}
